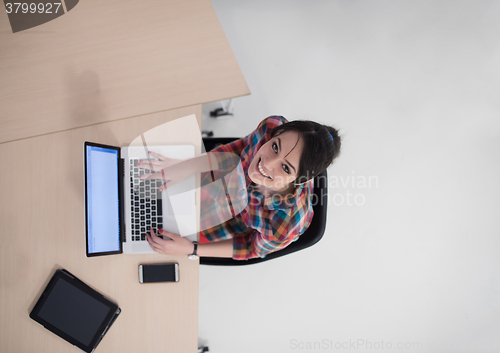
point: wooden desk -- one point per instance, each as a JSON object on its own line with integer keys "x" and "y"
{"x": 42, "y": 218}
{"x": 110, "y": 60}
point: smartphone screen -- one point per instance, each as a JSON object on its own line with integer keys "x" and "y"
{"x": 159, "y": 273}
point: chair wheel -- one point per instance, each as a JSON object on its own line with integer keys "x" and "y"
{"x": 219, "y": 112}
{"x": 216, "y": 112}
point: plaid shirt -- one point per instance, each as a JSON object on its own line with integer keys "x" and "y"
{"x": 260, "y": 224}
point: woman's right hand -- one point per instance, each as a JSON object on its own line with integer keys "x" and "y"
{"x": 163, "y": 170}
{"x": 157, "y": 165}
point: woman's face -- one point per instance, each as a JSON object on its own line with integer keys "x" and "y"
{"x": 276, "y": 163}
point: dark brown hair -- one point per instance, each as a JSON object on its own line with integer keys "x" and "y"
{"x": 321, "y": 146}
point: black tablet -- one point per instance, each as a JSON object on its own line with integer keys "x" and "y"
{"x": 74, "y": 311}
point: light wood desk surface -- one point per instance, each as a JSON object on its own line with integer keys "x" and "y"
{"x": 110, "y": 60}
{"x": 42, "y": 220}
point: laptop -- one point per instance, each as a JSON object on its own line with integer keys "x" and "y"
{"x": 120, "y": 207}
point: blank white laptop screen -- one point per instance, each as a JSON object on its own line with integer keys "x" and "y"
{"x": 102, "y": 200}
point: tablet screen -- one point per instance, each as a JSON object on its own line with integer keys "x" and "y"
{"x": 73, "y": 311}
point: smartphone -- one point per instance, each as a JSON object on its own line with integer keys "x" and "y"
{"x": 159, "y": 273}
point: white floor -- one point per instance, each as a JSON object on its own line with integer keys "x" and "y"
{"x": 410, "y": 260}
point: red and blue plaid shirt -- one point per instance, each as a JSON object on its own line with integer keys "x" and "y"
{"x": 266, "y": 223}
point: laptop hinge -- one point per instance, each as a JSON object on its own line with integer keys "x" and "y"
{"x": 121, "y": 182}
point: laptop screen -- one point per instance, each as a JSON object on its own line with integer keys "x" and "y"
{"x": 102, "y": 199}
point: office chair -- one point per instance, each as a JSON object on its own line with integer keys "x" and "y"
{"x": 311, "y": 236}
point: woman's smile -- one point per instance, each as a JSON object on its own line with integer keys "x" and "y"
{"x": 262, "y": 171}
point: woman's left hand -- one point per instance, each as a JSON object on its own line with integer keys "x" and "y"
{"x": 174, "y": 244}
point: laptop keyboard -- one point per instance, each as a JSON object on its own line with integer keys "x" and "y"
{"x": 146, "y": 205}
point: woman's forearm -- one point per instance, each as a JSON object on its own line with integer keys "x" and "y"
{"x": 201, "y": 163}
{"x": 210, "y": 161}
{"x": 222, "y": 248}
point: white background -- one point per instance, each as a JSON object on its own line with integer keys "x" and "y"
{"x": 414, "y": 89}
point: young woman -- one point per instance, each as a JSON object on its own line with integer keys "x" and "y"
{"x": 279, "y": 160}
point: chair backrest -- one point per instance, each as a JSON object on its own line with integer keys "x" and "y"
{"x": 310, "y": 237}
